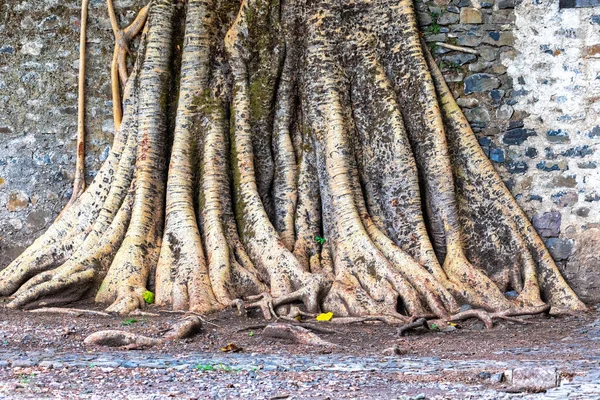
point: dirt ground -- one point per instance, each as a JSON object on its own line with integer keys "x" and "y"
{"x": 565, "y": 340}
{"x": 24, "y": 331}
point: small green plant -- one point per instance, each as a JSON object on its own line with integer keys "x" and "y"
{"x": 434, "y": 27}
{"x": 25, "y": 379}
{"x": 450, "y": 66}
{"x": 320, "y": 240}
{"x": 92, "y": 365}
{"x": 251, "y": 333}
{"x": 129, "y": 321}
{"x": 452, "y": 41}
{"x": 432, "y": 47}
{"x": 205, "y": 367}
{"x": 216, "y": 367}
{"x": 434, "y": 327}
{"x": 148, "y": 297}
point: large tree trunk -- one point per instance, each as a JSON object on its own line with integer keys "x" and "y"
{"x": 317, "y": 158}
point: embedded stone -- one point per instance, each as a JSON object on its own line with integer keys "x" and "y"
{"x": 564, "y": 181}
{"x": 533, "y": 378}
{"x": 470, "y": 39}
{"x": 7, "y": 49}
{"x": 516, "y": 167}
{"x": 470, "y": 16}
{"x": 587, "y": 165}
{"x": 560, "y": 249}
{"x": 467, "y": 102}
{"x": 497, "y": 155}
{"x": 504, "y": 4}
{"x": 478, "y": 115}
{"x": 517, "y": 136}
{"x": 504, "y": 112}
{"x": 582, "y": 211}
{"x": 17, "y": 201}
{"x": 447, "y": 18}
{"x": 547, "y": 224}
{"x": 36, "y": 220}
{"x": 481, "y": 83}
{"x": 531, "y": 152}
{"x": 459, "y": 58}
{"x": 583, "y": 268}
{"x": 32, "y": 48}
{"x": 499, "y": 38}
{"x": 488, "y": 53}
{"x": 565, "y": 199}
{"x": 557, "y": 136}
{"x": 503, "y": 17}
{"x": 549, "y": 166}
{"x": 579, "y": 151}
{"x": 424, "y": 18}
{"x": 479, "y": 66}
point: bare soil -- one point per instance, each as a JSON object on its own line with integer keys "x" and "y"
{"x": 24, "y": 330}
{"x": 566, "y": 340}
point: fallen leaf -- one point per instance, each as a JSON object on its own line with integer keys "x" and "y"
{"x": 325, "y": 316}
{"x": 148, "y": 297}
{"x": 232, "y": 348}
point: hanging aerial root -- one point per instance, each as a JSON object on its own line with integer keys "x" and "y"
{"x": 79, "y": 181}
{"x": 186, "y": 327}
{"x": 118, "y": 67}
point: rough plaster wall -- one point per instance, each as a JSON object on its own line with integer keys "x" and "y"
{"x": 39, "y": 60}
{"x": 556, "y": 76}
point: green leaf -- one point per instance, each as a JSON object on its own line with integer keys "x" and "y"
{"x": 320, "y": 240}
{"x": 251, "y": 333}
{"x": 129, "y": 321}
{"x": 148, "y": 297}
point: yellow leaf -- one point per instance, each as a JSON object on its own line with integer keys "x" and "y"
{"x": 451, "y": 324}
{"x": 325, "y": 316}
{"x": 298, "y": 317}
{"x": 231, "y": 348}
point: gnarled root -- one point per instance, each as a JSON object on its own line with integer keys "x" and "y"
{"x": 186, "y": 327}
{"x": 295, "y": 333}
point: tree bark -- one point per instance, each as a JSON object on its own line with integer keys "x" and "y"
{"x": 317, "y": 162}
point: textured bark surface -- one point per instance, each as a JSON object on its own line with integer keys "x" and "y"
{"x": 298, "y": 157}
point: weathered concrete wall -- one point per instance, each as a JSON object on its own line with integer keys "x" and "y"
{"x": 531, "y": 94}
{"x": 39, "y": 60}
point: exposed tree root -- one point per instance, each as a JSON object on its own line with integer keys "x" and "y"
{"x": 70, "y": 311}
{"x": 296, "y": 334}
{"x": 184, "y": 328}
{"x": 314, "y": 161}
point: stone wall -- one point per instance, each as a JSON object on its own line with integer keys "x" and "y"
{"x": 532, "y": 95}
{"x": 530, "y": 92}
{"x": 39, "y": 60}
